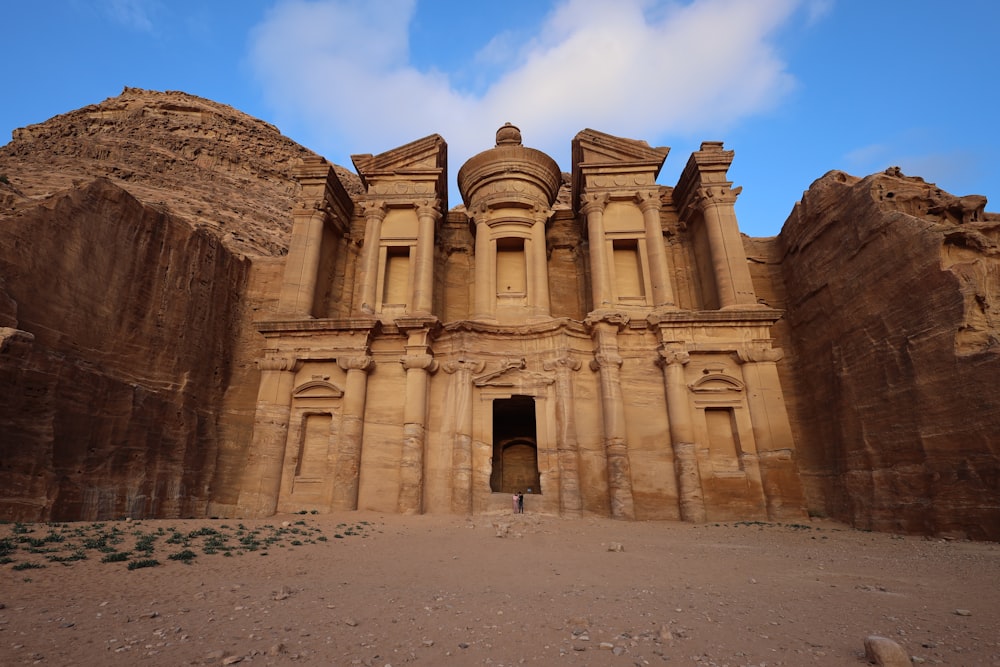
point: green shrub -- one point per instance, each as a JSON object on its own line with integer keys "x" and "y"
{"x": 145, "y": 562}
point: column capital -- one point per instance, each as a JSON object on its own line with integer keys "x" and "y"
{"x": 606, "y": 360}
{"x": 759, "y": 353}
{"x": 716, "y": 195}
{"x": 276, "y": 363}
{"x": 648, "y": 200}
{"x": 613, "y": 317}
{"x": 673, "y": 355}
{"x": 419, "y": 361}
{"x": 361, "y": 362}
{"x": 374, "y": 208}
{"x": 563, "y": 362}
{"x": 541, "y": 213}
{"x": 593, "y": 202}
{"x": 428, "y": 207}
{"x": 469, "y": 365}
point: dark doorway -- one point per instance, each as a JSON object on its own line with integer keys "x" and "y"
{"x": 515, "y": 446}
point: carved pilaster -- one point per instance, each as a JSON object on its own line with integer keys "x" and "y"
{"x": 418, "y": 365}
{"x": 347, "y": 475}
{"x": 659, "y": 272}
{"x": 374, "y": 212}
{"x": 538, "y": 290}
{"x": 593, "y": 205}
{"x": 729, "y": 261}
{"x": 673, "y": 358}
{"x": 607, "y": 362}
{"x": 461, "y": 453}
{"x": 262, "y": 475}
{"x": 771, "y": 430}
{"x": 428, "y": 215}
{"x": 567, "y": 445}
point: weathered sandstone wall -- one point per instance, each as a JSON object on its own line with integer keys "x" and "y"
{"x": 115, "y": 358}
{"x": 893, "y": 306}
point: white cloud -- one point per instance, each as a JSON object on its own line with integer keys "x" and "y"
{"x": 636, "y": 68}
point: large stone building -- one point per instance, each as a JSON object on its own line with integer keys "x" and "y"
{"x": 596, "y": 344}
{"x": 200, "y": 317}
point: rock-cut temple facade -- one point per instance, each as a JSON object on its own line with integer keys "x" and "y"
{"x": 593, "y": 341}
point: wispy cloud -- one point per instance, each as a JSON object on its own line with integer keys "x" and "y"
{"x": 637, "y": 68}
{"x": 133, "y": 14}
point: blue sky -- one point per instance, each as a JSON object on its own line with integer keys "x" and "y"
{"x": 795, "y": 87}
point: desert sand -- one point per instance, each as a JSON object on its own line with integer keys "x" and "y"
{"x": 362, "y": 588}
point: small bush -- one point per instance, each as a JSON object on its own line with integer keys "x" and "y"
{"x": 145, "y": 562}
{"x": 116, "y": 557}
{"x": 28, "y": 566}
{"x": 186, "y": 556}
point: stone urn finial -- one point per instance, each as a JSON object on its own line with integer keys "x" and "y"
{"x": 508, "y": 135}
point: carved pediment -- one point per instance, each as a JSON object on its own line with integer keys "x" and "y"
{"x": 716, "y": 383}
{"x": 317, "y": 389}
{"x": 423, "y": 160}
{"x": 593, "y": 147}
{"x": 513, "y": 375}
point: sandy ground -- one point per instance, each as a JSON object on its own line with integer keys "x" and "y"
{"x": 500, "y": 590}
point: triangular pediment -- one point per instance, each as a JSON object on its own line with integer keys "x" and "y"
{"x": 424, "y": 156}
{"x": 600, "y": 148}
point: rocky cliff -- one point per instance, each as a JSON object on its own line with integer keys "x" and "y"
{"x": 893, "y": 309}
{"x": 126, "y": 342}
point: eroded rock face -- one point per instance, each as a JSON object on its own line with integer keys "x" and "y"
{"x": 115, "y": 358}
{"x": 204, "y": 161}
{"x": 893, "y": 304}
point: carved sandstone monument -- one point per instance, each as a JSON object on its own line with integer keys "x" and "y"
{"x": 200, "y": 317}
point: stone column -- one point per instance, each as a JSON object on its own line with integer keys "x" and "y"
{"x": 600, "y": 273}
{"x": 729, "y": 260}
{"x": 347, "y": 476}
{"x": 538, "y": 291}
{"x": 659, "y": 271}
{"x": 485, "y": 292}
{"x": 461, "y": 452}
{"x": 692, "y": 502}
{"x": 423, "y": 290}
{"x": 772, "y": 432}
{"x": 298, "y": 285}
{"x": 567, "y": 445}
{"x": 608, "y": 363}
{"x": 374, "y": 214}
{"x": 262, "y": 475}
{"x": 418, "y": 364}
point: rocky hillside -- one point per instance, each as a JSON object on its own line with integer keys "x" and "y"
{"x": 205, "y": 162}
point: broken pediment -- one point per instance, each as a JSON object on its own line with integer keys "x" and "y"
{"x": 513, "y": 374}
{"x": 419, "y": 167}
{"x": 604, "y": 161}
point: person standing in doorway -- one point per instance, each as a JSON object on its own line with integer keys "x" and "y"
{"x": 520, "y": 503}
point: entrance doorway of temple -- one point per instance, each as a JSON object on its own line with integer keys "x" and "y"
{"x": 515, "y": 446}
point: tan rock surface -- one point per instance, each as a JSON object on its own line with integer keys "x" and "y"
{"x": 117, "y": 360}
{"x": 438, "y": 590}
{"x": 206, "y": 162}
{"x": 893, "y": 307}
